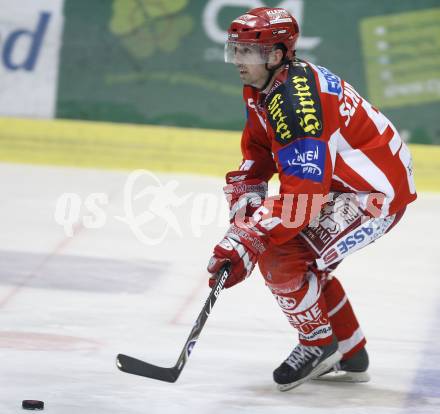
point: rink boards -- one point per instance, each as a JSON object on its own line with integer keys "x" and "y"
{"x": 156, "y": 148}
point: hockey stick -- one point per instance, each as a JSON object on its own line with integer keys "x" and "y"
{"x": 135, "y": 366}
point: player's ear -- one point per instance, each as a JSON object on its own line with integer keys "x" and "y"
{"x": 275, "y": 57}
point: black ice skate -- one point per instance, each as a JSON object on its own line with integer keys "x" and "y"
{"x": 353, "y": 369}
{"x": 305, "y": 363}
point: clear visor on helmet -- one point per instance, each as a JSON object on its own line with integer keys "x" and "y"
{"x": 246, "y": 53}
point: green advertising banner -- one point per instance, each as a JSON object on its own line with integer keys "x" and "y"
{"x": 161, "y": 62}
{"x": 402, "y": 58}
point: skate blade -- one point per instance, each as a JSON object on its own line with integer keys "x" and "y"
{"x": 344, "y": 376}
{"x": 321, "y": 368}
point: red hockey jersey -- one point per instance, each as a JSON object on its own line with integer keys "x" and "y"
{"x": 321, "y": 136}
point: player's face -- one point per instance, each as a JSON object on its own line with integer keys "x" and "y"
{"x": 254, "y": 75}
{"x": 249, "y": 63}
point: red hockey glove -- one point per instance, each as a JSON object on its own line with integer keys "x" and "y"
{"x": 244, "y": 195}
{"x": 241, "y": 247}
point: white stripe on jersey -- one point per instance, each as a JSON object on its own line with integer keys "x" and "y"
{"x": 333, "y": 147}
{"x": 395, "y": 143}
{"x": 366, "y": 168}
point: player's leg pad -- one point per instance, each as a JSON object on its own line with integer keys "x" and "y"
{"x": 306, "y": 311}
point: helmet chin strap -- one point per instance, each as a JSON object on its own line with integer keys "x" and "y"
{"x": 272, "y": 72}
{"x": 269, "y": 77}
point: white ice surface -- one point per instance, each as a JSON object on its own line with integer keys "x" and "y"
{"x": 68, "y": 305}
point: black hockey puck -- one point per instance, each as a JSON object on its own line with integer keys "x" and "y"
{"x": 32, "y": 405}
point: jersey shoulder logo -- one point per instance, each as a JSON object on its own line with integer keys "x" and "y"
{"x": 306, "y": 102}
{"x": 328, "y": 81}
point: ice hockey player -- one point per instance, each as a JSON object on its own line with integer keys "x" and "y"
{"x": 345, "y": 180}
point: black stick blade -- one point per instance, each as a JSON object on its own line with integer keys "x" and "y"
{"x": 137, "y": 367}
